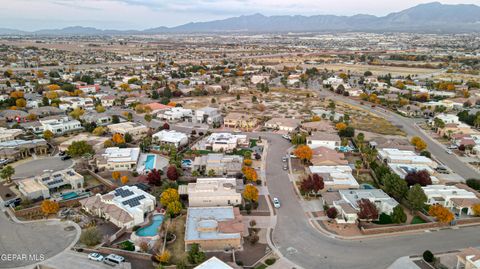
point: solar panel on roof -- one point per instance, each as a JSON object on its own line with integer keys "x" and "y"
{"x": 123, "y": 193}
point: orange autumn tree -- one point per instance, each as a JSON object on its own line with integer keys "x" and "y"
{"x": 53, "y": 87}
{"x": 303, "y": 152}
{"x": 118, "y": 139}
{"x": 116, "y": 175}
{"x": 341, "y": 126}
{"x": 250, "y": 193}
{"x": 249, "y": 173}
{"x": 476, "y": 210}
{"x": 124, "y": 180}
{"x": 49, "y": 207}
{"x": 442, "y": 213}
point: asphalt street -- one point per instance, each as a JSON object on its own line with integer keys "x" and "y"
{"x": 32, "y": 168}
{"x": 23, "y": 244}
{"x": 298, "y": 241}
{"x": 411, "y": 129}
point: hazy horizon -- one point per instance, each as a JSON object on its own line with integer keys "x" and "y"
{"x": 31, "y": 15}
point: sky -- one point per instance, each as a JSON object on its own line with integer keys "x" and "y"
{"x": 143, "y": 14}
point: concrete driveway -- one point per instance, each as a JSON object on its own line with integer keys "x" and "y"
{"x": 298, "y": 241}
{"x": 29, "y": 168}
{"x": 23, "y": 244}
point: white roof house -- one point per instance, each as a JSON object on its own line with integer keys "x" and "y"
{"x": 171, "y": 137}
{"x": 9, "y": 134}
{"x": 60, "y": 124}
{"x": 213, "y": 263}
{"x": 336, "y": 177}
{"x": 224, "y": 141}
{"x": 177, "y": 113}
{"x": 118, "y": 159}
{"x": 447, "y": 118}
{"x": 213, "y": 192}
{"x": 40, "y": 186}
{"x": 451, "y": 197}
{"x": 133, "y": 128}
{"x": 125, "y": 206}
{"x": 391, "y": 155}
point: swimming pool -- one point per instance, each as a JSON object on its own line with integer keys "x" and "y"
{"x": 69, "y": 195}
{"x": 187, "y": 163}
{"x": 152, "y": 229}
{"x": 150, "y": 162}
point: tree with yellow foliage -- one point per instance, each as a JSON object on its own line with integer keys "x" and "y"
{"x": 16, "y": 94}
{"x": 77, "y": 113}
{"x": 116, "y": 175}
{"x": 125, "y": 87}
{"x": 47, "y": 134}
{"x": 100, "y": 130}
{"x": 174, "y": 208}
{"x": 250, "y": 193}
{"x": 49, "y": 207}
{"x": 20, "y": 102}
{"x": 124, "y": 180}
{"x": 247, "y": 162}
{"x": 341, "y": 126}
{"x": 32, "y": 117}
{"x": 100, "y": 109}
{"x": 168, "y": 196}
{"x": 303, "y": 152}
{"x": 108, "y": 143}
{"x": 316, "y": 118}
{"x": 249, "y": 173}
{"x": 118, "y": 139}
{"x": 443, "y": 214}
{"x": 418, "y": 143}
{"x": 172, "y": 104}
{"x": 51, "y": 95}
{"x": 53, "y": 87}
{"x": 163, "y": 257}
{"x": 476, "y": 210}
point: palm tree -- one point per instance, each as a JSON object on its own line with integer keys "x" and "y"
{"x": 7, "y": 172}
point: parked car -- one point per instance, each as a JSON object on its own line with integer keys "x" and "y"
{"x": 95, "y": 257}
{"x": 13, "y": 202}
{"x": 284, "y": 159}
{"x": 287, "y": 137}
{"x": 66, "y": 157}
{"x": 449, "y": 151}
{"x": 276, "y": 202}
{"x": 285, "y": 167}
{"x": 113, "y": 259}
{"x": 61, "y": 153}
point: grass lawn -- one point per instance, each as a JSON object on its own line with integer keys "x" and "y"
{"x": 177, "y": 248}
{"x": 417, "y": 220}
{"x": 261, "y": 266}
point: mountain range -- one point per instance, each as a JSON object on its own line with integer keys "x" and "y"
{"x": 427, "y": 18}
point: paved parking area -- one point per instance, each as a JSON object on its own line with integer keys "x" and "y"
{"x": 75, "y": 260}
{"x": 23, "y": 244}
{"x": 32, "y": 167}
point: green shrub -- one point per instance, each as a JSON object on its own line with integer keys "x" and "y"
{"x": 473, "y": 183}
{"x": 270, "y": 261}
{"x": 428, "y": 256}
{"x": 127, "y": 245}
{"x": 384, "y": 219}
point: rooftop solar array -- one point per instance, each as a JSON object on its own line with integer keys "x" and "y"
{"x": 123, "y": 192}
{"x": 54, "y": 182}
{"x": 70, "y": 173}
{"x": 134, "y": 201}
{"x": 45, "y": 178}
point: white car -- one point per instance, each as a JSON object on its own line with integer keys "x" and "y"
{"x": 449, "y": 151}
{"x": 95, "y": 257}
{"x": 276, "y": 202}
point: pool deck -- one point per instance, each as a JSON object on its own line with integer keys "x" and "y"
{"x": 159, "y": 163}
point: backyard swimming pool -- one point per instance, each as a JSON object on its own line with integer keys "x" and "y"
{"x": 186, "y": 163}
{"x": 69, "y": 195}
{"x": 152, "y": 229}
{"x": 150, "y": 162}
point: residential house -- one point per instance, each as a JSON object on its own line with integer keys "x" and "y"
{"x": 58, "y": 125}
{"x": 323, "y": 156}
{"x": 468, "y": 258}
{"x": 219, "y": 164}
{"x": 458, "y": 200}
{"x": 283, "y": 124}
{"x": 335, "y": 177}
{"x": 177, "y": 114}
{"x": 225, "y": 141}
{"x": 214, "y": 228}
{"x": 170, "y": 137}
{"x": 20, "y": 149}
{"x": 214, "y": 263}
{"x": 321, "y": 139}
{"x": 100, "y": 119}
{"x": 208, "y": 192}
{"x": 135, "y": 129}
{"x": 125, "y": 207}
{"x": 9, "y": 134}
{"x": 118, "y": 159}
{"x": 42, "y": 186}
{"x": 208, "y": 115}
{"x": 346, "y": 202}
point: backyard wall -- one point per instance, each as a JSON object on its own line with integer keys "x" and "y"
{"x": 35, "y": 211}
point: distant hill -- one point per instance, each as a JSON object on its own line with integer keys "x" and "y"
{"x": 430, "y": 18}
